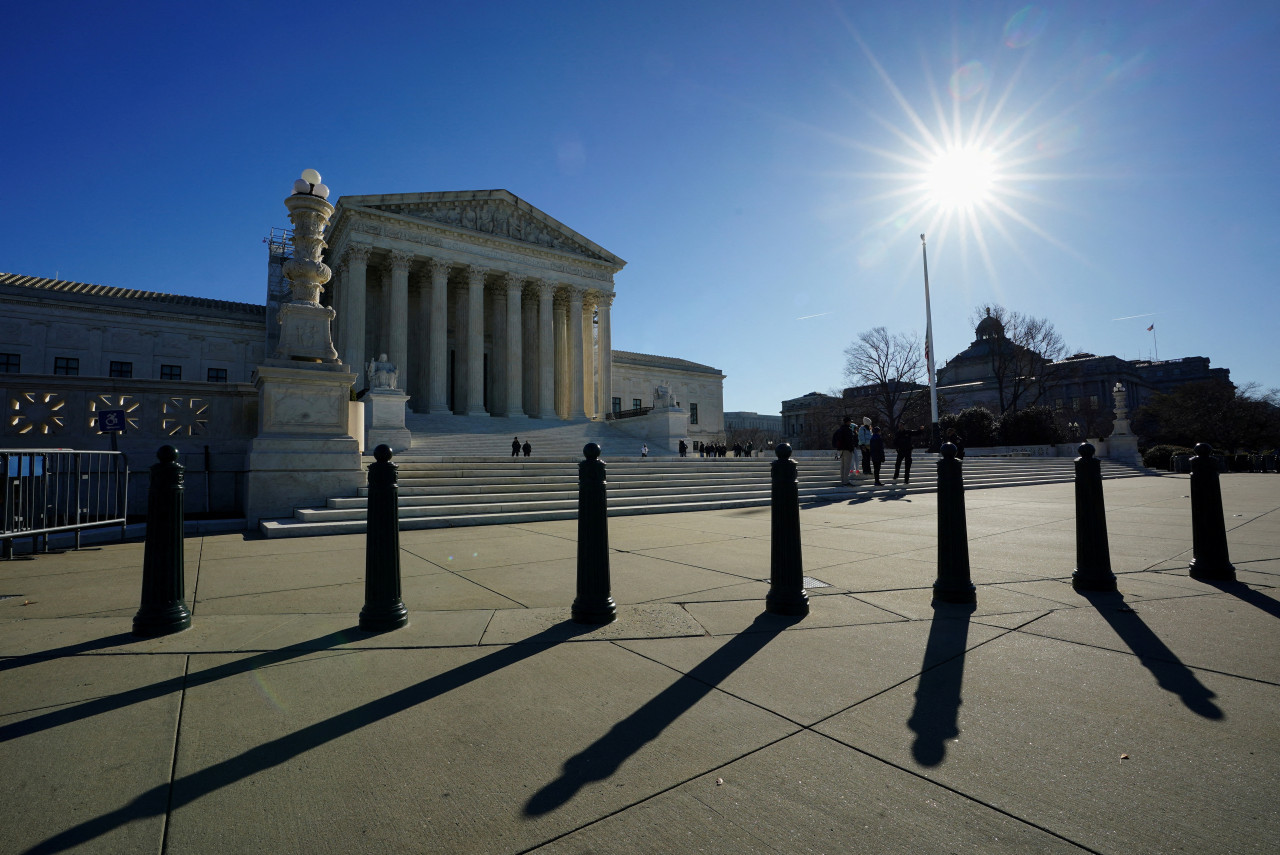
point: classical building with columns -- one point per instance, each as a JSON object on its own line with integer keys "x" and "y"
{"x": 486, "y": 305}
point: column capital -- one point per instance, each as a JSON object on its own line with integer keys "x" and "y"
{"x": 476, "y": 274}
{"x": 575, "y": 295}
{"x": 399, "y": 260}
{"x": 513, "y": 280}
{"x": 357, "y": 253}
{"x": 544, "y": 286}
{"x": 590, "y": 299}
{"x": 604, "y": 299}
{"x": 436, "y": 265}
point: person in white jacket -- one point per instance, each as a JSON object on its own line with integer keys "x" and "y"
{"x": 864, "y": 443}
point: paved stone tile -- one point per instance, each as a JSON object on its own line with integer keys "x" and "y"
{"x": 992, "y": 599}
{"x": 643, "y": 620}
{"x": 741, "y": 616}
{"x": 1037, "y": 728}
{"x": 808, "y": 794}
{"x": 84, "y": 738}
{"x": 479, "y": 751}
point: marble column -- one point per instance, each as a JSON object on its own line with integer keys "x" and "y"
{"x": 420, "y": 344}
{"x": 562, "y": 354}
{"x": 475, "y": 341}
{"x": 515, "y": 349}
{"x": 588, "y": 355}
{"x": 574, "y": 331}
{"x": 496, "y": 302}
{"x": 397, "y": 296}
{"x": 529, "y": 338}
{"x": 357, "y": 258}
{"x": 438, "y": 385}
{"x": 341, "y": 286}
{"x": 606, "y": 354}
{"x": 461, "y": 303}
{"x": 546, "y": 351}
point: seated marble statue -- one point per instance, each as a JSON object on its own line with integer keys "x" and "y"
{"x": 381, "y": 374}
{"x": 662, "y": 397}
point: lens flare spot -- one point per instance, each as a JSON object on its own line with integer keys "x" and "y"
{"x": 1025, "y": 26}
{"x": 266, "y": 691}
{"x": 968, "y": 80}
{"x": 961, "y": 177}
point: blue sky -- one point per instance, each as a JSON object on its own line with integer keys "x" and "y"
{"x": 763, "y": 167}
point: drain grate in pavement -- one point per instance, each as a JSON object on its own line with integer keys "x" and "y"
{"x": 810, "y": 582}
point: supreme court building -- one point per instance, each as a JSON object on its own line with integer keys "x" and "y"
{"x": 485, "y": 305}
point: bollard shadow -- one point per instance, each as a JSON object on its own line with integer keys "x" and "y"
{"x": 602, "y": 758}
{"x": 937, "y": 709}
{"x": 160, "y": 688}
{"x": 117, "y": 640}
{"x": 1245, "y": 594}
{"x": 1171, "y": 675}
{"x": 185, "y": 790}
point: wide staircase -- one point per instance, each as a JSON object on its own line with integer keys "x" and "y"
{"x": 485, "y": 486}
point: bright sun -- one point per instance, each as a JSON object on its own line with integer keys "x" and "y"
{"x": 961, "y": 178}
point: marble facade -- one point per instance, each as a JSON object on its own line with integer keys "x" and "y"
{"x": 486, "y": 305}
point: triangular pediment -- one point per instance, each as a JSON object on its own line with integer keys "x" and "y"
{"x": 497, "y": 213}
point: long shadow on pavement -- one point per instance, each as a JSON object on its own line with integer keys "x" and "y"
{"x": 603, "y": 757}
{"x": 190, "y": 788}
{"x": 1244, "y": 593}
{"x": 938, "y": 693}
{"x": 118, "y": 640}
{"x": 108, "y": 703}
{"x": 1171, "y": 675}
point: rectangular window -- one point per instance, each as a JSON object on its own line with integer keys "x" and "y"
{"x": 617, "y": 405}
{"x": 10, "y": 363}
{"x": 636, "y": 403}
{"x": 217, "y": 375}
{"x": 1057, "y": 403}
{"x": 693, "y": 414}
{"x": 1093, "y": 400}
{"x": 67, "y": 365}
{"x": 1075, "y": 403}
{"x": 170, "y": 372}
{"x": 121, "y": 369}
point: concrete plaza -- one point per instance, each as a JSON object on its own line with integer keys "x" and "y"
{"x": 1042, "y": 721}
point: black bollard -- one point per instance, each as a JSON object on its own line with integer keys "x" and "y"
{"x": 1208, "y": 525}
{"x": 953, "y": 584}
{"x": 593, "y": 603}
{"x": 1093, "y": 555}
{"x": 383, "y": 609}
{"x": 786, "y": 569}
{"x": 163, "y": 610}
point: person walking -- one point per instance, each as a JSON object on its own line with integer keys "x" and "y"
{"x": 644, "y": 450}
{"x": 683, "y": 447}
{"x": 528, "y": 449}
{"x": 515, "y": 447}
{"x": 844, "y": 441}
{"x": 864, "y": 443}
{"x": 877, "y": 454}
{"x": 903, "y": 442}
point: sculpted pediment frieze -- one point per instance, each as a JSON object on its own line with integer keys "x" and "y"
{"x": 495, "y": 217}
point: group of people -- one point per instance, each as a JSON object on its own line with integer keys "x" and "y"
{"x": 516, "y": 447}
{"x": 868, "y": 441}
{"x": 719, "y": 449}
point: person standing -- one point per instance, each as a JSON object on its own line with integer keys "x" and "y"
{"x": 644, "y": 450}
{"x": 864, "y": 443}
{"x": 954, "y": 437}
{"x": 683, "y": 447}
{"x": 877, "y": 454}
{"x": 515, "y": 447}
{"x": 903, "y": 443}
{"x": 844, "y": 441}
{"x": 528, "y": 449}
{"x": 748, "y": 448}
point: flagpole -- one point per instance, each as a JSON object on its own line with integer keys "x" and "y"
{"x": 934, "y": 438}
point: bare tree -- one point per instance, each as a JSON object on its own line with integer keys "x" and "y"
{"x": 1023, "y": 354}
{"x": 889, "y": 368}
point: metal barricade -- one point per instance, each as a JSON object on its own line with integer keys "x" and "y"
{"x": 50, "y": 491}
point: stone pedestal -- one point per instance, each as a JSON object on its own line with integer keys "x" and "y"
{"x": 384, "y": 419}
{"x": 1122, "y": 444}
{"x": 303, "y": 454}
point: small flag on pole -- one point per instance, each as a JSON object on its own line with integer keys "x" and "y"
{"x": 1150, "y": 328}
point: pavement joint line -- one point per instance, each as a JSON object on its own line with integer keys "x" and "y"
{"x": 963, "y": 795}
{"x": 173, "y": 764}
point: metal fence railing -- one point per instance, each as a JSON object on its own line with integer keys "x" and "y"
{"x": 47, "y": 491}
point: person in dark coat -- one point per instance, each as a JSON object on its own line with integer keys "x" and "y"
{"x": 683, "y": 447}
{"x": 903, "y": 442}
{"x": 877, "y": 454}
{"x": 844, "y": 440}
{"x": 528, "y": 449}
{"x": 515, "y": 447}
{"x": 954, "y": 437}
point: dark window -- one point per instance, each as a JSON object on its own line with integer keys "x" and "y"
{"x": 617, "y": 405}
{"x": 67, "y": 365}
{"x": 693, "y": 414}
{"x": 636, "y": 403}
{"x": 11, "y": 363}
{"x": 121, "y": 369}
{"x": 170, "y": 372}
{"x": 217, "y": 375}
